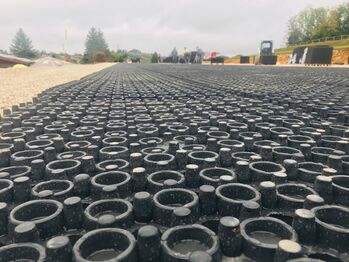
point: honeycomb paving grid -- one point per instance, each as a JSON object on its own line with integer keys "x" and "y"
{"x": 155, "y": 162}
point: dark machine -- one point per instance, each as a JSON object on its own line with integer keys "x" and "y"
{"x": 265, "y": 56}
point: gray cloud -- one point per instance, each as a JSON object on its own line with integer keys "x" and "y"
{"x": 228, "y": 26}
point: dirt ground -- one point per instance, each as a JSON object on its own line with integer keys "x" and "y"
{"x": 18, "y": 85}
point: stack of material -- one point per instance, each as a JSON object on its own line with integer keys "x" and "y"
{"x": 10, "y": 60}
{"x": 49, "y": 61}
{"x": 244, "y": 59}
{"x": 319, "y": 55}
{"x": 313, "y": 55}
{"x": 298, "y": 54}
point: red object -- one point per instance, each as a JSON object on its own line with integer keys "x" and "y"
{"x": 213, "y": 54}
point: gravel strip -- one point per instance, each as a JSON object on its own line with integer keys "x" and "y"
{"x": 19, "y": 85}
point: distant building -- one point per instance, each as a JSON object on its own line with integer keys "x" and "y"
{"x": 9, "y": 61}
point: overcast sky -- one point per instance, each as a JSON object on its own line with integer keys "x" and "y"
{"x": 227, "y": 26}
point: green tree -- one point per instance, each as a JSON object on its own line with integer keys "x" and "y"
{"x": 343, "y": 19}
{"x": 21, "y": 45}
{"x": 95, "y": 45}
{"x": 294, "y": 32}
{"x": 309, "y": 22}
{"x": 154, "y": 58}
{"x": 119, "y": 56}
{"x": 315, "y": 23}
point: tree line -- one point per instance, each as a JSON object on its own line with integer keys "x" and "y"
{"x": 317, "y": 23}
{"x": 96, "y": 49}
{"x": 309, "y": 24}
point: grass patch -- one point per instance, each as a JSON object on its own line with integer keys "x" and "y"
{"x": 338, "y": 44}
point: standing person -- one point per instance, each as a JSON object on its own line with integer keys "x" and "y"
{"x": 198, "y": 56}
{"x": 174, "y": 55}
{"x": 186, "y": 55}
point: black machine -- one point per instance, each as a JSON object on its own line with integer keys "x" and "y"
{"x": 268, "y": 60}
{"x": 265, "y": 56}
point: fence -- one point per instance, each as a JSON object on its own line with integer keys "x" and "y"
{"x": 331, "y": 38}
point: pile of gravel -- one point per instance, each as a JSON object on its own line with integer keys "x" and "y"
{"x": 49, "y": 61}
